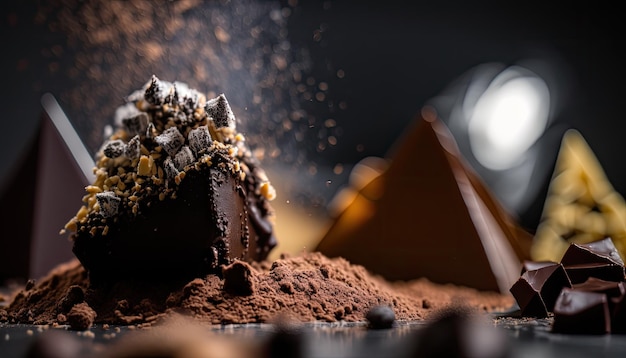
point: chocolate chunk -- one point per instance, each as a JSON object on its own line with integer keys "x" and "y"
{"x": 611, "y": 288}
{"x": 537, "y": 290}
{"x": 114, "y": 148}
{"x": 199, "y": 139}
{"x": 109, "y": 203}
{"x": 170, "y": 140}
{"x": 581, "y": 312}
{"x": 528, "y": 298}
{"x": 602, "y": 252}
{"x": 380, "y": 317}
{"x": 81, "y": 317}
{"x": 221, "y": 113}
{"x": 581, "y": 272}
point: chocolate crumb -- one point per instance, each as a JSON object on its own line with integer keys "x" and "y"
{"x": 81, "y": 317}
{"x": 238, "y": 279}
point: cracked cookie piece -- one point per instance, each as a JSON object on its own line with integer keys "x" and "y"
{"x": 177, "y": 191}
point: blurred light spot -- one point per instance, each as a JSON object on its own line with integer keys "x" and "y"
{"x": 508, "y": 118}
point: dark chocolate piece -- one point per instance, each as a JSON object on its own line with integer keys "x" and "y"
{"x": 579, "y": 273}
{"x": 611, "y": 288}
{"x": 537, "y": 290}
{"x": 528, "y": 298}
{"x": 380, "y": 317}
{"x": 602, "y": 251}
{"x": 581, "y": 312}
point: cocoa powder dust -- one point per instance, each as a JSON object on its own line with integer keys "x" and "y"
{"x": 307, "y": 288}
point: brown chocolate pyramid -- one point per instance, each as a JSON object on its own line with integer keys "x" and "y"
{"x": 582, "y": 206}
{"x": 428, "y": 215}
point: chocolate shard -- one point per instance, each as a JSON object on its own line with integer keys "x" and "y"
{"x": 601, "y": 251}
{"x": 537, "y": 290}
{"x": 611, "y": 289}
{"x": 427, "y": 208}
{"x": 581, "y": 312}
{"x": 219, "y": 110}
{"x": 598, "y": 259}
{"x": 528, "y": 298}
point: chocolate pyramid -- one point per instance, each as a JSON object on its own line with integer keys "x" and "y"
{"x": 428, "y": 215}
{"x": 581, "y": 206}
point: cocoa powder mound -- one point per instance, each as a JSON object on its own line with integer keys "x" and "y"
{"x": 309, "y": 287}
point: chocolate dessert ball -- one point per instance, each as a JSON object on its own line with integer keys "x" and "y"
{"x": 177, "y": 191}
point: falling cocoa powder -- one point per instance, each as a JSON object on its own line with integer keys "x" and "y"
{"x": 310, "y": 287}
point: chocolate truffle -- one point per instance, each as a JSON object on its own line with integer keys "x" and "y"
{"x": 177, "y": 193}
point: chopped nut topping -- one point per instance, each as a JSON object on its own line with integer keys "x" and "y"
{"x": 162, "y": 135}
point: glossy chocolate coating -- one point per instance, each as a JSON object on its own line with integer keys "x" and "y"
{"x": 537, "y": 290}
{"x": 581, "y": 312}
{"x": 602, "y": 251}
{"x": 207, "y": 225}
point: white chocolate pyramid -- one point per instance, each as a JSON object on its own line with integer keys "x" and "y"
{"x": 581, "y": 206}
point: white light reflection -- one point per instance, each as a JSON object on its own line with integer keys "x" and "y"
{"x": 508, "y": 118}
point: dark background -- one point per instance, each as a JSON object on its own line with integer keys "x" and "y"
{"x": 394, "y": 58}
